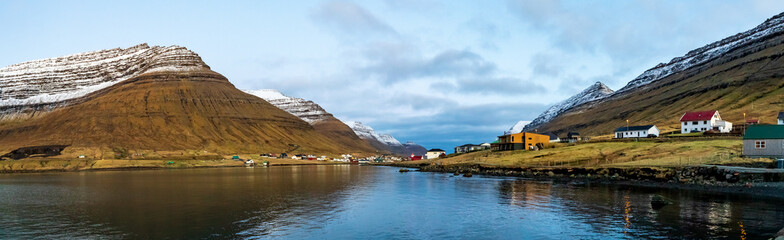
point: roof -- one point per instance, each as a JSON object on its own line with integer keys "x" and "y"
{"x": 760, "y": 131}
{"x": 781, "y": 115}
{"x": 698, "y": 116}
{"x": 552, "y": 135}
{"x": 436, "y": 150}
{"x": 573, "y": 133}
{"x": 634, "y": 128}
{"x": 466, "y": 145}
{"x": 752, "y": 121}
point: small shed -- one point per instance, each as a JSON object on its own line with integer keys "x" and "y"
{"x": 764, "y": 141}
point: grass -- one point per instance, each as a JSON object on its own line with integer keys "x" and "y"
{"x": 54, "y": 164}
{"x": 617, "y": 154}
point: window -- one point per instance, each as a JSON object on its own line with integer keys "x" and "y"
{"x": 512, "y": 138}
{"x": 759, "y": 144}
{"x": 685, "y": 123}
{"x": 705, "y": 122}
{"x": 695, "y": 123}
{"x": 529, "y": 138}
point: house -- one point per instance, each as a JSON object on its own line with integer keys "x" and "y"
{"x": 704, "y": 121}
{"x": 520, "y": 141}
{"x": 553, "y": 137}
{"x": 485, "y": 145}
{"x": 573, "y": 137}
{"x": 415, "y": 157}
{"x": 764, "y": 141}
{"x": 637, "y": 131}
{"x": 468, "y": 148}
{"x": 434, "y": 153}
{"x": 781, "y": 118}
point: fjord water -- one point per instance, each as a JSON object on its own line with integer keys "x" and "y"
{"x": 359, "y": 202}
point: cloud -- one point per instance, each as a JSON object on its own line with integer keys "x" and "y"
{"x": 393, "y": 66}
{"x": 351, "y": 18}
{"x": 547, "y": 65}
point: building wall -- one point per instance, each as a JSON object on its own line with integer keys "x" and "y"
{"x": 701, "y": 126}
{"x": 531, "y": 139}
{"x": 636, "y": 134}
{"x": 773, "y": 148}
{"x": 432, "y": 155}
{"x": 781, "y": 121}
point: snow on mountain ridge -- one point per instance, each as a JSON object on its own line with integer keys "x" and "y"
{"x": 304, "y": 109}
{"x": 595, "y": 92}
{"x": 517, "y": 128}
{"x": 773, "y": 25}
{"x": 53, "y": 80}
{"x": 366, "y": 132}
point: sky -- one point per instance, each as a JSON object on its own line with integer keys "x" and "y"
{"x": 439, "y": 73}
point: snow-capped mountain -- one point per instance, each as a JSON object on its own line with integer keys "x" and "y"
{"x": 366, "y": 132}
{"x": 413, "y": 148}
{"x": 53, "y": 81}
{"x": 772, "y": 26}
{"x": 304, "y": 109}
{"x": 517, "y": 128}
{"x": 595, "y": 92}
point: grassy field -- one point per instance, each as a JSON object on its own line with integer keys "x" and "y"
{"x": 42, "y": 165}
{"x": 614, "y": 154}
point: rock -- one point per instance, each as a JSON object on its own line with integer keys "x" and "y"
{"x": 468, "y": 175}
{"x": 402, "y": 170}
{"x": 779, "y": 235}
{"x": 456, "y": 173}
{"x": 550, "y": 174}
{"x": 658, "y": 202}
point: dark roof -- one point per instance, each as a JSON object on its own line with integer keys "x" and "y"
{"x": 468, "y": 145}
{"x": 698, "y": 116}
{"x": 573, "y": 133}
{"x": 781, "y": 115}
{"x": 436, "y": 150}
{"x": 764, "y": 132}
{"x": 633, "y": 128}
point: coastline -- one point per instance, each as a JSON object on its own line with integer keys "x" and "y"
{"x": 706, "y": 179}
{"x": 89, "y": 165}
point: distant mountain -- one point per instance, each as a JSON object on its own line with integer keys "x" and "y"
{"x": 518, "y": 127}
{"x": 595, "y": 92}
{"x": 383, "y": 141}
{"x": 740, "y": 74}
{"x": 148, "y": 100}
{"x": 319, "y": 118}
{"x": 413, "y": 148}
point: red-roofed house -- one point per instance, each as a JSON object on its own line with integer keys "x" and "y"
{"x": 704, "y": 121}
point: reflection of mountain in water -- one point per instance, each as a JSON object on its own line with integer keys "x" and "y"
{"x": 183, "y": 204}
{"x": 623, "y": 212}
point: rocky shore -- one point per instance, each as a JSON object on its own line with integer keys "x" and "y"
{"x": 701, "y": 178}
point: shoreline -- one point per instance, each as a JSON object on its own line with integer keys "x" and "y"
{"x": 65, "y": 165}
{"x": 705, "y": 179}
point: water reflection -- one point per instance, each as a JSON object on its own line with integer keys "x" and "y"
{"x": 360, "y": 202}
{"x": 692, "y": 215}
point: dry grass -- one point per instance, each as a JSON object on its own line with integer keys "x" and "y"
{"x": 643, "y": 153}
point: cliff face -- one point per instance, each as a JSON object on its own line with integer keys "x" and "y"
{"x": 145, "y": 98}
{"x": 592, "y": 94}
{"x": 736, "y": 75}
{"x": 42, "y": 85}
{"x": 314, "y": 114}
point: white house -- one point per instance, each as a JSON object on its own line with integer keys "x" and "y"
{"x": 704, "y": 121}
{"x": 434, "y": 153}
{"x": 636, "y": 131}
{"x": 781, "y": 118}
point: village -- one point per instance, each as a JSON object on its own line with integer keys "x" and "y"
{"x": 759, "y": 140}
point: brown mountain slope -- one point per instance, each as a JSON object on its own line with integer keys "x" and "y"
{"x": 338, "y": 132}
{"x": 171, "y": 111}
{"x": 749, "y": 79}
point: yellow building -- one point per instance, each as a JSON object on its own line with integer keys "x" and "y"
{"x": 520, "y": 141}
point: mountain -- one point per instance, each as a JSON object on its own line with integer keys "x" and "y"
{"x": 152, "y": 101}
{"x": 740, "y": 74}
{"x": 413, "y": 148}
{"x": 315, "y": 115}
{"x": 384, "y": 142}
{"x": 517, "y": 128}
{"x": 595, "y": 92}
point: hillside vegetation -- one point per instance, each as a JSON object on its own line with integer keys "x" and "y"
{"x": 747, "y": 80}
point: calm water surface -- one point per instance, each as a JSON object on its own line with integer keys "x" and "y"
{"x": 359, "y": 202}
